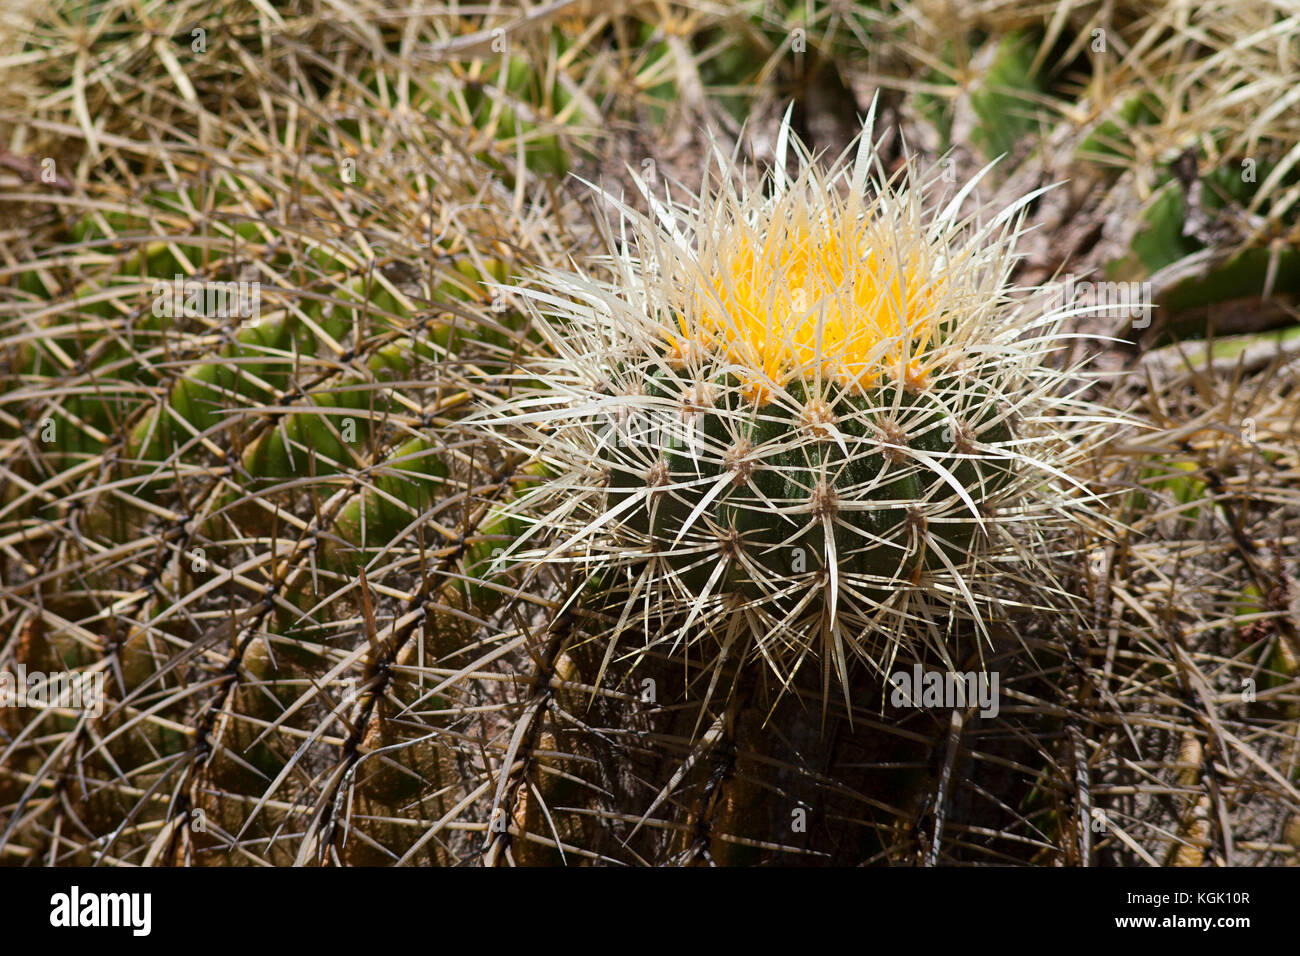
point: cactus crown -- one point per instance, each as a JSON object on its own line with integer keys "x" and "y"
{"x": 821, "y": 287}
{"x": 810, "y": 424}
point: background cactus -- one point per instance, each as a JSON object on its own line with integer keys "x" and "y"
{"x": 311, "y": 652}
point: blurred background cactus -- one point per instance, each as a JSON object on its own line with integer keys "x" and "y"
{"x": 252, "y": 262}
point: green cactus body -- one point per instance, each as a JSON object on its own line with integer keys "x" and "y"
{"x": 877, "y": 469}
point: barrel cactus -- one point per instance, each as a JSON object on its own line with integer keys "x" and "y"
{"x": 807, "y": 420}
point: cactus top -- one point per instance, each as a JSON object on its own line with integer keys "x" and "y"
{"x": 792, "y": 295}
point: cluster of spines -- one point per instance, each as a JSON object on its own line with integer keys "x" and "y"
{"x": 823, "y": 502}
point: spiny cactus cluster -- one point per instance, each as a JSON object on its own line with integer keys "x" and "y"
{"x": 314, "y": 604}
{"x": 817, "y": 416}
